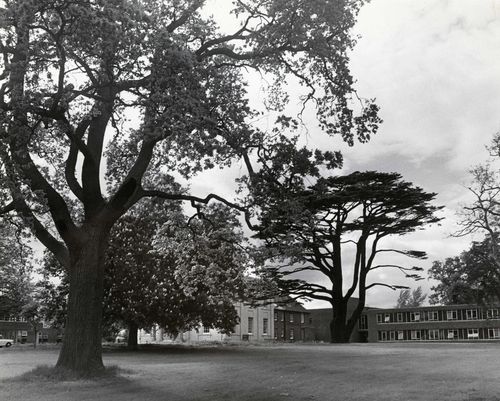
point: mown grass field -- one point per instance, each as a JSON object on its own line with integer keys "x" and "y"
{"x": 424, "y": 371}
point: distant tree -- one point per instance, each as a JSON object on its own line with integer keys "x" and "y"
{"x": 15, "y": 268}
{"x": 409, "y": 299}
{"x": 32, "y": 312}
{"x": 161, "y": 270}
{"x": 309, "y": 230}
{"x": 482, "y": 215}
{"x": 471, "y": 278}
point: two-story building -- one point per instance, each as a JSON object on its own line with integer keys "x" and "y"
{"x": 292, "y": 323}
{"x": 434, "y": 323}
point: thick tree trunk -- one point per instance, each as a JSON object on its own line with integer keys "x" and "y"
{"x": 82, "y": 349}
{"x": 132, "y": 336}
{"x": 339, "y": 332}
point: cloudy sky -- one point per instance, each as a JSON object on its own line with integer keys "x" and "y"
{"x": 434, "y": 68}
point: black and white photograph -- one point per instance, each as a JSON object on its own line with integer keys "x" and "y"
{"x": 249, "y": 200}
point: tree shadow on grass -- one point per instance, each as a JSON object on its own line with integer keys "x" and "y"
{"x": 47, "y": 383}
{"x": 210, "y": 348}
{"x": 46, "y": 373}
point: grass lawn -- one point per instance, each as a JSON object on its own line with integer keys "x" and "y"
{"x": 424, "y": 371}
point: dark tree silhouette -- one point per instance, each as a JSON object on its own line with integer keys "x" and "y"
{"x": 310, "y": 231}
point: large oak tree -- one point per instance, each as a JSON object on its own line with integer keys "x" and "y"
{"x": 75, "y": 73}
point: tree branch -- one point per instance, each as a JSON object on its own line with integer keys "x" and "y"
{"x": 195, "y": 199}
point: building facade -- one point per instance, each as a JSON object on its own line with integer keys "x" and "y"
{"x": 434, "y": 323}
{"x": 255, "y": 325}
{"x": 17, "y": 329}
{"x": 21, "y": 331}
{"x": 292, "y": 323}
{"x": 320, "y": 320}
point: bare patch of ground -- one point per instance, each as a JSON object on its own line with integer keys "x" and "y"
{"x": 424, "y": 371}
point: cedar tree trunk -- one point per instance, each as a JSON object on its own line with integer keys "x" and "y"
{"x": 339, "y": 332}
{"x": 82, "y": 345}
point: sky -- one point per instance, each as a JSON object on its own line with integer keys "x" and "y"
{"x": 434, "y": 68}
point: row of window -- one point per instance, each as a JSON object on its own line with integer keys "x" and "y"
{"x": 265, "y": 326}
{"x": 441, "y": 315}
{"x": 291, "y": 317}
{"x": 291, "y": 334}
{"x": 492, "y": 333}
{"x": 12, "y": 319}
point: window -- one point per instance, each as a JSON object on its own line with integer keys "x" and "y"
{"x": 471, "y": 314}
{"x": 415, "y": 335}
{"x": 363, "y": 322}
{"x": 434, "y": 334}
{"x": 265, "y": 323}
{"x": 275, "y": 316}
{"x": 282, "y": 316}
{"x": 275, "y": 333}
{"x": 400, "y": 317}
{"x": 472, "y": 334}
{"x": 382, "y": 335}
{"x": 387, "y": 318}
{"x": 401, "y": 335}
{"x": 206, "y": 330}
{"x": 452, "y": 334}
{"x": 451, "y": 315}
{"x": 392, "y": 335}
{"x": 494, "y": 333}
{"x": 291, "y": 334}
{"x": 282, "y": 333}
{"x": 302, "y": 318}
{"x": 291, "y": 317}
{"x": 492, "y": 314}
{"x": 250, "y": 325}
{"x": 414, "y": 316}
{"x": 379, "y": 318}
{"x": 432, "y": 315}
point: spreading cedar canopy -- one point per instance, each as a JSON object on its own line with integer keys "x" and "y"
{"x": 90, "y": 117}
{"x": 313, "y": 228}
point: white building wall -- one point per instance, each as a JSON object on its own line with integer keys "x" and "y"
{"x": 241, "y": 332}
